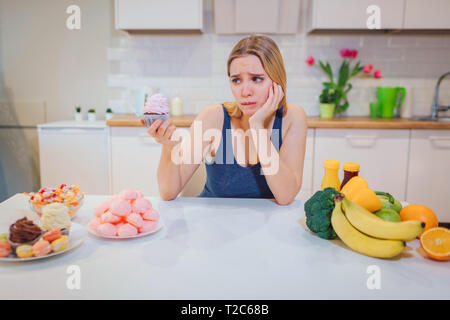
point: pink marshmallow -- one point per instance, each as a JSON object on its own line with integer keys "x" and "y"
{"x": 118, "y": 225}
{"x": 141, "y": 204}
{"x": 120, "y": 207}
{"x": 107, "y": 229}
{"x": 151, "y": 214}
{"x": 140, "y": 194}
{"x": 101, "y": 208}
{"x": 127, "y": 230}
{"x": 148, "y": 226}
{"x": 128, "y": 195}
{"x": 94, "y": 223}
{"x": 135, "y": 220}
{"x": 112, "y": 199}
{"x": 108, "y": 217}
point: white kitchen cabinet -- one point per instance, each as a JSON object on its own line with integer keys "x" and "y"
{"x": 159, "y": 15}
{"x": 135, "y": 159}
{"x": 307, "y": 187}
{"x": 428, "y": 172}
{"x": 74, "y": 152}
{"x": 430, "y": 14}
{"x": 352, "y": 14}
{"x": 256, "y": 16}
{"x": 382, "y": 155}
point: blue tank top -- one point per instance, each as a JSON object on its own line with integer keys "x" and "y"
{"x": 226, "y": 178}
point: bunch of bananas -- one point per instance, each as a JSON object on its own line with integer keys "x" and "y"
{"x": 368, "y": 234}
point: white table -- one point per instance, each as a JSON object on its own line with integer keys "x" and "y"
{"x": 218, "y": 249}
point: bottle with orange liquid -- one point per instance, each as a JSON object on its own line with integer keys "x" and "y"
{"x": 331, "y": 177}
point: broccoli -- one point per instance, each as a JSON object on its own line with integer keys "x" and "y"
{"x": 318, "y": 211}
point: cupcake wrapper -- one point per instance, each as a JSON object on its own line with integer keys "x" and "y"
{"x": 150, "y": 118}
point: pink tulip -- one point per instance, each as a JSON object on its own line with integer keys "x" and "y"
{"x": 368, "y": 68}
{"x": 310, "y": 60}
{"x": 345, "y": 53}
{"x": 353, "y": 54}
{"x": 377, "y": 74}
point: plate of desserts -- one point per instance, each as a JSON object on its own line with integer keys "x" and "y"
{"x": 52, "y": 235}
{"x": 125, "y": 216}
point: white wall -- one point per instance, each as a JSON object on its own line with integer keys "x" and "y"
{"x": 42, "y": 60}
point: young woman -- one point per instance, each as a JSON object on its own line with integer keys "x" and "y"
{"x": 260, "y": 146}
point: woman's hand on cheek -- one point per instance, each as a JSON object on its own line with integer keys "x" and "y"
{"x": 275, "y": 95}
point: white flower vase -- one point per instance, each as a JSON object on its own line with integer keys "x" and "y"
{"x": 78, "y": 116}
{"x": 109, "y": 115}
{"x": 91, "y": 116}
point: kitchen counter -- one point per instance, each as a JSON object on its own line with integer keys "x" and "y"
{"x": 130, "y": 120}
{"x": 218, "y": 249}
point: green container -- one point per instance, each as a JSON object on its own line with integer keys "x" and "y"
{"x": 327, "y": 110}
{"x": 375, "y": 110}
{"x": 390, "y": 98}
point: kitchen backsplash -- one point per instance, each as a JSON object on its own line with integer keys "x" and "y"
{"x": 195, "y": 66}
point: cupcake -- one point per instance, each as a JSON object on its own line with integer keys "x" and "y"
{"x": 23, "y": 231}
{"x": 55, "y": 216}
{"x": 156, "y": 107}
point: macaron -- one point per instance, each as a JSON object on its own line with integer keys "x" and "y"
{"x": 101, "y": 208}
{"x": 4, "y": 237}
{"x": 107, "y": 229}
{"x": 135, "y": 220}
{"x": 150, "y": 214}
{"x": 127, "y": 230}
{"x": 52, "y": 235}
{"x": 120, "y": 207}
{"x": 140, "y": 205}
{"x": 41, "y": 248}
{"x": 60, "y": 244}
{"x": 5, "y": 249}
{"x": 24, "y": 251}
{"x": 108, "y": 217}
{"x": 148, "y": 226}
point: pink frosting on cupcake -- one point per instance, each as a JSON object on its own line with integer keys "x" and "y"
{"x": 156, "y": 104}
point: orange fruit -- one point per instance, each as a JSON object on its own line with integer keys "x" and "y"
{"x": 419, "y": 212}
{"x": 436, "y": 243}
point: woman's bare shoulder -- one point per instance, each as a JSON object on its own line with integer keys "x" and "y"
{"x": 296, "y": 114}
{"x": 211, "y": 116}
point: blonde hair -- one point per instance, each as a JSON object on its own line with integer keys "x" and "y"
{"x": 268, "y": 53}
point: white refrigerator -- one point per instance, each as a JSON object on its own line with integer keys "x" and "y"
{"x": 84, "y": 145}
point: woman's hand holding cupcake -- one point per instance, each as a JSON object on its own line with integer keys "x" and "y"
{"x": 164, "y": 132}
